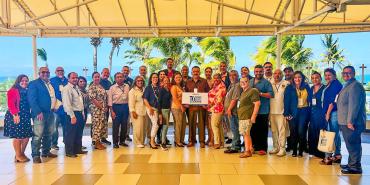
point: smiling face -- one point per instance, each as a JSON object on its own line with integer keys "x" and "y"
{"x": 316, "y": 79}
{"x": 44, "y": 73}
{"x": 119, "y": 78}
{"x": 216, "y": 79}
{"x": 195, "y": 72}
{"x": 278, "y": 75}
{"x": 208, "y": 73}
{"x": 24, "y": 82}
{"x": 244, "y": 83}
{"x": 105, "y": 74}
{"x": 154, "y": 79}
{"x": 81, "y": 83}
{"x": 298, "y": 80}
{"x": 162, "y": 75}
{"x": 96, "y": 78}
{"x": 223, "y": 67}
{"x": 329, "y": 77}
{"x": 140, "y": 82}
{"x": 73, "y": 78}
{"x": 348, "y": 74}
{"x": 169, "y": 64}
{"x": 142, "y": 71}
{"x": 244, "y": 72}
{"x": 258, "y": 73}
{"x": 185, "y": 71}
{"x": 178, "y": 79}
{"x": 268, "y": 69}
{"x": 126, "y": 71}
{"x": 59, "y": 72}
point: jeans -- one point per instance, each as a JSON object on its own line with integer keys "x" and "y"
{"x": 352, "y": 138}
{"x": 165, "y": 124}
{"x": 59, "y": 119}
{"x": 74, "y": 132}
{"x": 120, "y": 121}
{"x": 334, "y": 127}
{"x": 42, "y": 132}
{"x": 234, "y": 125}
{"x": 298, "y": 130}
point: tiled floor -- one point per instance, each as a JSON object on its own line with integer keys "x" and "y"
{"x": 185, "y": 166}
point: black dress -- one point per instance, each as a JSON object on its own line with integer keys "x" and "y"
{"x": 23, "y": 129}
{"x": 317, "y": 123}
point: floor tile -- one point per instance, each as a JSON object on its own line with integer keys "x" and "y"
{"x": 241, "y": 180}
{"x": 39, "y": 179}
{"x": 180, "y": 168}
{"x": 106, "y": 168}
{"x": 356, "y": 179}
{"x": 143, "y": 168}
{"x": 162, "y": 179}
{"x": 190, "y": 179}
{"x": 282, "y": 180}
{"x": 289, "y": 169}
{"x": 323, "y": 180}
{"x": 7, "y": 179}
{"x": 71, "y": 168}
{"x": 133, "y": 158}
{"x": 78, "y": 179}
{"x": 243, "y": 168}
{"x": 126, "y": 179}
{"x": 217, "y": 169}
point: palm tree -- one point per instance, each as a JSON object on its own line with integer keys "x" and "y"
{"x": 43, "y": 55}
{"x": 141, "y": 51}
{"x": 95, "y": 41}
{"x": 116, "y": 43}
{"x": 218, "y": 48}
{"x": 333, "y": 55}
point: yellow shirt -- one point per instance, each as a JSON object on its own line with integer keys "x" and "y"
{"x": 302, "y": 98}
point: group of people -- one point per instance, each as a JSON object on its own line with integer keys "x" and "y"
{"x": 238, "y": 105}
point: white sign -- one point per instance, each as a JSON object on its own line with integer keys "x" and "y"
{"x": 190, "y": 98}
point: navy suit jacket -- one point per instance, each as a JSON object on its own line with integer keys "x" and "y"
{"x": 38, "y": 97}
{"x": 291, "y": 100}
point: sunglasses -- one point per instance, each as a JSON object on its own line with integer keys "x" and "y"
{"x": 60, "y": 70}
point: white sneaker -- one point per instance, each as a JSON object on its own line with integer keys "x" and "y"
{"x": 140, "y": 146}
{"x": 274, "y": 151}
{"x": 281, "y": 153}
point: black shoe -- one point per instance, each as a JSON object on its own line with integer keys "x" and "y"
{"x": 115, "y": 146}
{"x": 56, "y": 147}
{"x": 81, "y": 152}
{"x": 344, "y": 166}
{"x": 164, "y": 147}
{"x": 128, "y": 138}
{"x": 105, "y": 141}
{"x": 231, "y": 151}
{"x": 93, "y": 143}
{"x": 300, "y": 155}
{"x": 294, "y": 154}
{"x": 83, "y": 148}
{"x": 71, "y": 155}
{"x": 36, "y": 160}
{"x": 123, "y": 144}
{"x": 229, "y": 141}
{"x": 49, "y": 155}
{"x": 351, "y": 171}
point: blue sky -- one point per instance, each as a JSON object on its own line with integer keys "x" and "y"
{"x": 76, "y": 53}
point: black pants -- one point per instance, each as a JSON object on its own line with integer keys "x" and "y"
{"x": 120, "y": 120}
{"x": 73, "y": 139}
{"x": 259, "y": 132}
{"x": 352, "y": 138}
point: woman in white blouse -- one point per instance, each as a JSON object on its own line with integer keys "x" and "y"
{"x": 137, "y": 110}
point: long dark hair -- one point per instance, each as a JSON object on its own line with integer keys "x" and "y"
{"x": 303, "y": 83}
{"x": 173, "y": 78}
{"x": 150, "y": 79}
{"x": 84, "y": 79}
{"x": 18, "y": 80}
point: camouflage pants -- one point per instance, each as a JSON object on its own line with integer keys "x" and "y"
{"x": 99, "y": 124}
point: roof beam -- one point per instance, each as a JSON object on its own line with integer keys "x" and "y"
{"x": 2, "y": 22}
{"x": 247, "y": 11}
{"x": 249, "y": 15}
{"x": 54, "y": 12}
{"x": 186, "y": 13}
{"x": 154, "y": 13}
{"x": 148, "y": 15}
{"x": 55, "y": 8}
{"x": 90, "y": 14}
{"x": 282, "y": 15}
{"x": 122, "y": 13}
{"x": 27, "y": 12}
{"x": 367, "y": 18}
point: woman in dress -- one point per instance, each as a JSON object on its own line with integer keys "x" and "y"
{"x": 137, "y": 110}
{"x": 178, "y": 110}
{"x": 216, "y": 97}
{"x": 317, "y": 120}
{"x": 151, "y": 101}
{"x": 18, "y": 119}
{"x": 98, "y": 107}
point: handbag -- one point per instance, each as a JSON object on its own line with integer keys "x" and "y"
{"x": 326, "y": 142}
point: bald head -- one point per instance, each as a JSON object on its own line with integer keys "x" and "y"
{"x": 278, "y": 75}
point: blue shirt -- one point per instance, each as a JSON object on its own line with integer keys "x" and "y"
{"x": 57, "y": 82}
{"x": 264, "y": 86}
{"x": 129, "y": 81}
{"x": 151, "y": 94}
{"x": 329, "y": 94}
{"x": 105, "y": 83}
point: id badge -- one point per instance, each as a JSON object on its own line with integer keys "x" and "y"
{"x": 300, "y": 102}
{"x": 313, "y": 101}
{"x": 195, "y": 90}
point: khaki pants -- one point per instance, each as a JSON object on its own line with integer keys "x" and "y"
{"x": 179, "y": 125}
{"x": 278, "y": 129}
{"x": 138, "y": 130}
{"x": 217, "y": 129}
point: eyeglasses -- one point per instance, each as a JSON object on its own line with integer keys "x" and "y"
{"x": 45, "y": 72}
{"x": 60, "y": 70}
{"x": 140, "y": 81}
{"x": 346, "y": 73}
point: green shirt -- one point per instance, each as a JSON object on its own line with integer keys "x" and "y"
{"x": 246, "y": 104}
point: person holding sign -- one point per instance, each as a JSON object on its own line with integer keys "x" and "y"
{"x": 297, "y": 101}
{"x": 317, "y": 118}
{"x": 151, "y": 101}
{"x": 197, "y": 114}
{"x": 216, "y": 97}
{"x": 329, "y": 99}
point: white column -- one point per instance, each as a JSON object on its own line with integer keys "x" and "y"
{"x": 34, "y": 48}
{"x": 278, "y": 51}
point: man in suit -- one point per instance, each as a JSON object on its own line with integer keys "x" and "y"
{"x": 352, "y": 118}
{"x": 42, "y": 100}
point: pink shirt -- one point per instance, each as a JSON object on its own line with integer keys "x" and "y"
{"x": 216, "y": 97}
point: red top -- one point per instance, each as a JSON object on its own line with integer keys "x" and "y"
{"x": 13, "y": 100}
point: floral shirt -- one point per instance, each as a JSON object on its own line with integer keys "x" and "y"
{"x": 98, "y": 93}
{"x": 216, "y": 97}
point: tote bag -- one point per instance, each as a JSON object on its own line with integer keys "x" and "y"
{"x": 326, "y": 142}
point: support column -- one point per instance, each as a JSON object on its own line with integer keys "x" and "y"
{"x": 278, "y": 51}
{"x": 34, "y": 48}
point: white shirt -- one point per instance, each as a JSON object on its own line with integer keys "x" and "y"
{"x": 136, "y": 102}
{"x": 72, "y": 99}
{"x": 53, "y": 100}
{"x": 277, "y": 102}
{"x": 118, "y": 94}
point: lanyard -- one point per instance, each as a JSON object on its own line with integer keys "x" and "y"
{"x": 277, "y": 88}
{"x": 155, "y": 91}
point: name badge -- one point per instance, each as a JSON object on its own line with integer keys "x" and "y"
{"x": 195, "y": 90}
{"x": 300, "y": 102}
{"x": 336, "y": 98}
{"x": 313, "y": 101}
